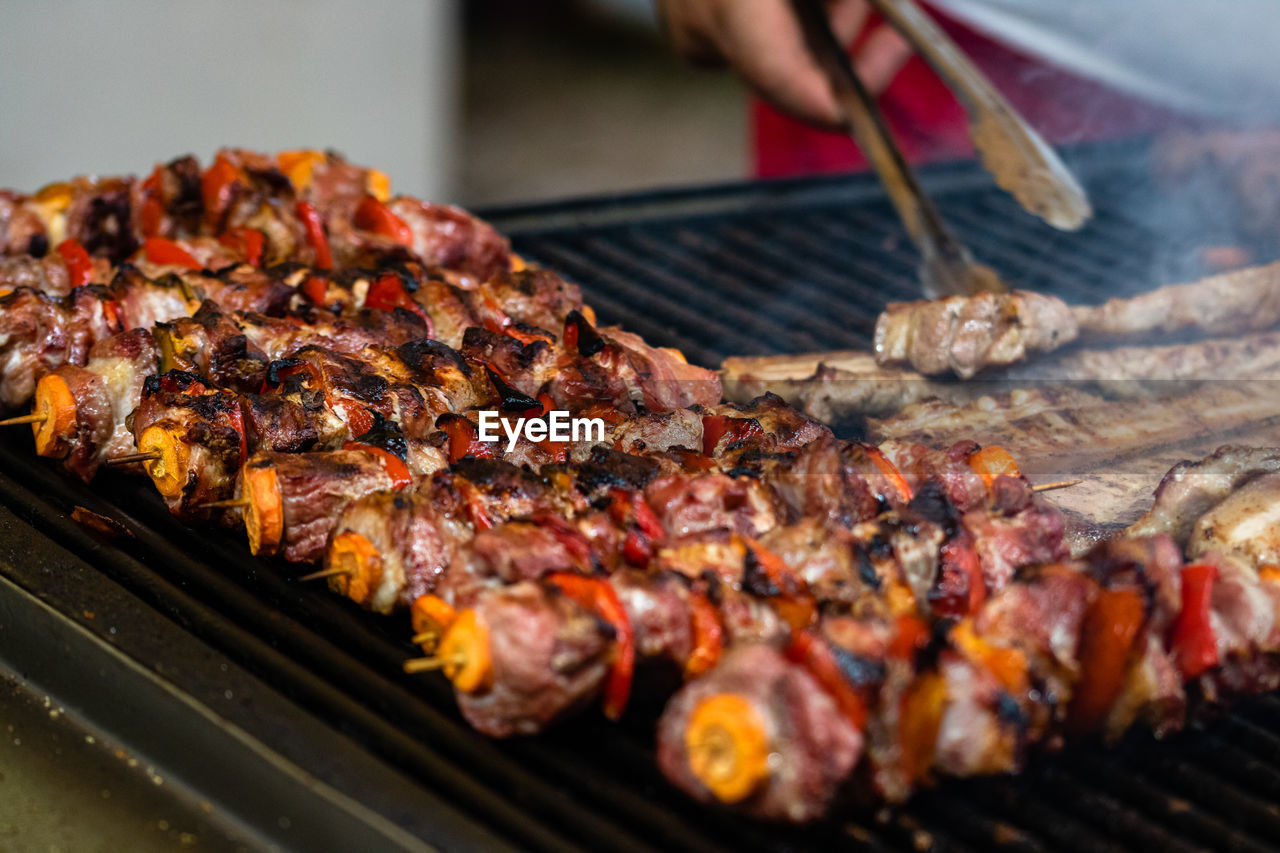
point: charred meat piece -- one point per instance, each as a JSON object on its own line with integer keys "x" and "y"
{"x": 523, "y": 656}
{"x": 196, "y": 435}
{"x": 39, "y": 333}
{"x": 759, "y": 734}
{"x": 294, "y": 500}
{"x": 86, "y": 410}
{"x": 449, "y": 237}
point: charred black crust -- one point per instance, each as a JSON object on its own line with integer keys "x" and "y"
{"x": 859, "y": 671}
{"x": 369, "y": 387}
{"x": 589, "y": 340}
{"x": 1009, "y": 711}
{"x": 510, "y": 399}
{"x": 866, "y": 571}
{"x": 424, "y": 354}
{"x": 178, "y": 379}
{"x": 498, "y": 475}
{"x": 106, "y": 230}
{"x": 607, "y": 468}
{"x": 385, "y": 435}
{"x": 930, "y": 503}
{"x": 276, "y": 367}
{"x": 38, "y": 245}
{"x": 754, "y": 578}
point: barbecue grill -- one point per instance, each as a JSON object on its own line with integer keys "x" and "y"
{"x": 285, "y": 708}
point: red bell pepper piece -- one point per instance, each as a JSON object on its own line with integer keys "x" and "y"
{"x": 816, "y": 656}
{"x": 889, "y": 470}
{"x": 357, "y": 417}
{"x": 962, "y": 587}
{"x": 236, "y": 416}
{"x": 643, "y": 528}
{"x": 624, "y": 504}
{"x": 708, "y": 635}
{"x": 248, "y": 241}
{"x": 910, "y": 637}
{"x": 315, "y": 289}
{"x": 373, "y": 215}
{"x": 792, "y": 600}
{"x": 216, "y": 187}
{"x": 392, "y": 464}
{"x": 79, "y": 264}
{"x": 111, "y": 312}
{"x": 599, "y": 597}
{"x": 151, "y": 217}
{"x": 1107, "y": 635}
{"x": 387, "y": 293}
{"x": 161, "y": 251}
{"x": 1192, "y": 638}
{"x": 316, "y": 235}
{"x": 716, "y": 427}
{"x": 464, "y": 438}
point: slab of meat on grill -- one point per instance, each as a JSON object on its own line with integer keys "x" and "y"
{"x": 1063, "y": 434}
{"x": 1118, "y": 448}
{"x": 1191, "y": 489}
{"x": 965, "y": 335}
{"x": 1236, "y": 302}
{"x": 837, "y": 385}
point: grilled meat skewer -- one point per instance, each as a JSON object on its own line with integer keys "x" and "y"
{"x": 1064, "y": 649}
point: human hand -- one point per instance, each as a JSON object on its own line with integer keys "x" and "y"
{"x": 762, "y": 41}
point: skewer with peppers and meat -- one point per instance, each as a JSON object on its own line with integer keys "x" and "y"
{"x": 1178, "y": 613}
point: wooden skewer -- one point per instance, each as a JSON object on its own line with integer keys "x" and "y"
{"x": 415, "y": 665}
{"x": 230, "y": 503}
{"x": 424, "y": 637}
{"x": 133, "y": 457}
{"x": 1063, "y": 484}
{"x": 25, "y": 419}
{"x": 325, "y": 573}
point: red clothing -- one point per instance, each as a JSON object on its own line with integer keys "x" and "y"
{"x": 930, "y": 124}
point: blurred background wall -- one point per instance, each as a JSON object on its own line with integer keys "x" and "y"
{"x": 566, "y": 98}
{"x": 111, "y": 87}
{"x": 481, "y": 102}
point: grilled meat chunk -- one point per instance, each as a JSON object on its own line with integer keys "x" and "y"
{"x": 547, "y": 655}
{"x": 760, "y": 734}
{"x": 964, "y": 334}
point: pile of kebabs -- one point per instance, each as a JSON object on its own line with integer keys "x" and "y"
{"x": 282, "y": 346}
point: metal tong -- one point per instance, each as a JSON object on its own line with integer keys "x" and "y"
{"x": 1019, "y": 159}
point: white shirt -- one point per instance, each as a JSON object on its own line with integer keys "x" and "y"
{"x": 1216, "y": 57}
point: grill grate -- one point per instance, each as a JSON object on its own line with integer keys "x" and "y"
{"x": 805, "y": 266}
{"x": 743, "y": 270}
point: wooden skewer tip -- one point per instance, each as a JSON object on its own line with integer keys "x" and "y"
{"x": 133, "y": 457}
{"x": 232, "y": 503}
{"x": 424, "y": 637}
{"x": 1062, "y": 484}
{"x": 415, "y": 665}
{"x": 24, "y": 419}
{"x": 325, "y": 573}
